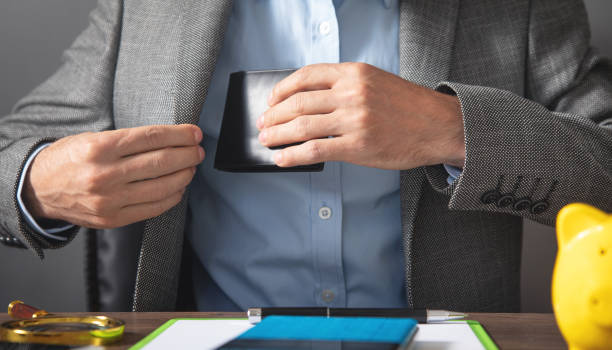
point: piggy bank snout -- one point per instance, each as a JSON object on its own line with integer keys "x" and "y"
{"x": 600, "y": 306}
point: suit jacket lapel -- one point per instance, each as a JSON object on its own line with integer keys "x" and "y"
{"x": 426, "y": 37}
{"x": 203, "y": 27}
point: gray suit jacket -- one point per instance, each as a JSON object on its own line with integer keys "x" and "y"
{"x": 537, "y": 110}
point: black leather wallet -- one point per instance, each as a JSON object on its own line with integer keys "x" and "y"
{"x": 238, "y": 148}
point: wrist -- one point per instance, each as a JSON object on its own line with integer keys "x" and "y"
{"x": 31, "y": 189}
{"x": 31, "y": 202}
{"x": 452, "y": 140}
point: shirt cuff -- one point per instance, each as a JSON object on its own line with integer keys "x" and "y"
{"x": 453, "y": 173}
{"x": 47, "y": 232}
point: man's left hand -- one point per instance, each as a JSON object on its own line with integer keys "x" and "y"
{"x": 376, "y": 118}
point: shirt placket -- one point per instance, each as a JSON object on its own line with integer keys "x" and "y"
{"x": 326, "y": 186}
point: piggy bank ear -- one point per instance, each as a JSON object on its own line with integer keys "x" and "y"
{"x": 575, "y": 218}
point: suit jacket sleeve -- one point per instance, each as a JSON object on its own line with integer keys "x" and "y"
{"x": 76, "y": 99}
{"x": 549, "y": 148}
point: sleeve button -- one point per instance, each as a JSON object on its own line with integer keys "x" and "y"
{"x": 539, "y": 207}
{"x": 505, "y": 200}
{"x": 490, "y": 197}
{"x": 522, "y": 203}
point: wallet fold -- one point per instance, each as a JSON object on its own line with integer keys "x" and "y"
{"x": 238, "y": 147}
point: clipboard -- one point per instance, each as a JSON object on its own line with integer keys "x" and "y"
{"x": 210, "y": 333}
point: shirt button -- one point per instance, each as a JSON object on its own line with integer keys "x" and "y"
{"x": 327, "y": 296}
{"x": 324, "y": 28}
{"x": 325, "y": 213}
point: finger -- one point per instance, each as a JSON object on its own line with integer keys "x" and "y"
{"x": 139, "y": 212}
{"x": 310, "y": 152}
{"x": 153, "y": 137}
{"x": 161, "y": 162}
{"x": 313, "y": 77}
{"x": 157, "y": 189}
{"x": 303, "y": 128}
{"x": 300, "y": 103}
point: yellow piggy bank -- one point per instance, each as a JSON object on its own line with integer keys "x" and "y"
{"x": 582, "y": 279}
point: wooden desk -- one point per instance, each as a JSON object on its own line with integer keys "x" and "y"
{"x": 510, "y": 331}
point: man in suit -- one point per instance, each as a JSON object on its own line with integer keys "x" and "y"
{"x": 467, "y": 117}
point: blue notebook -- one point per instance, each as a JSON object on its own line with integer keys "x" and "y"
{"x": 314, "y": 332}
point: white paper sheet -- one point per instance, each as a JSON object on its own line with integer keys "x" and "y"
{"x": 198, "y": 334}
{"x": 446, "y": 336}
{"x": 209, "y": 334}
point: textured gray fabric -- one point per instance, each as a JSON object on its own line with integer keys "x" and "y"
{"x": 426, "y": 40}
{"x": 446, "y": 273}
{"x": 537, "y": 111}
{"x": 552, "y": 130}
{"x": 162, "y": 242}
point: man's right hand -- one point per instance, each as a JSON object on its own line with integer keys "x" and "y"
{"x": 113, "y": 178}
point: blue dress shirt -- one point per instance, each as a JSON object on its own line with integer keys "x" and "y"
{"x": 305, "y": 239}
{"x": 310, "y": 239}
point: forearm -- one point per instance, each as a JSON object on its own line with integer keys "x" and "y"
{"x": 537, "y": 159}
{"x": 77, "y": 98}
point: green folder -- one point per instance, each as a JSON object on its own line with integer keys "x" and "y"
{"x": 482, "y": 335}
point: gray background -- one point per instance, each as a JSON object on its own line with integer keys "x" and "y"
{"x": 33, "y": 33}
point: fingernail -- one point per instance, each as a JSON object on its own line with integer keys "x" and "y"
{"x": 262, "y": 136}
{"x": 201, "y": 151}
{"x": 193, "y": 170}
{"x": 260, "y": 122}
{"x": 278, "y": 157}
{"x": 198, "y": 135}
